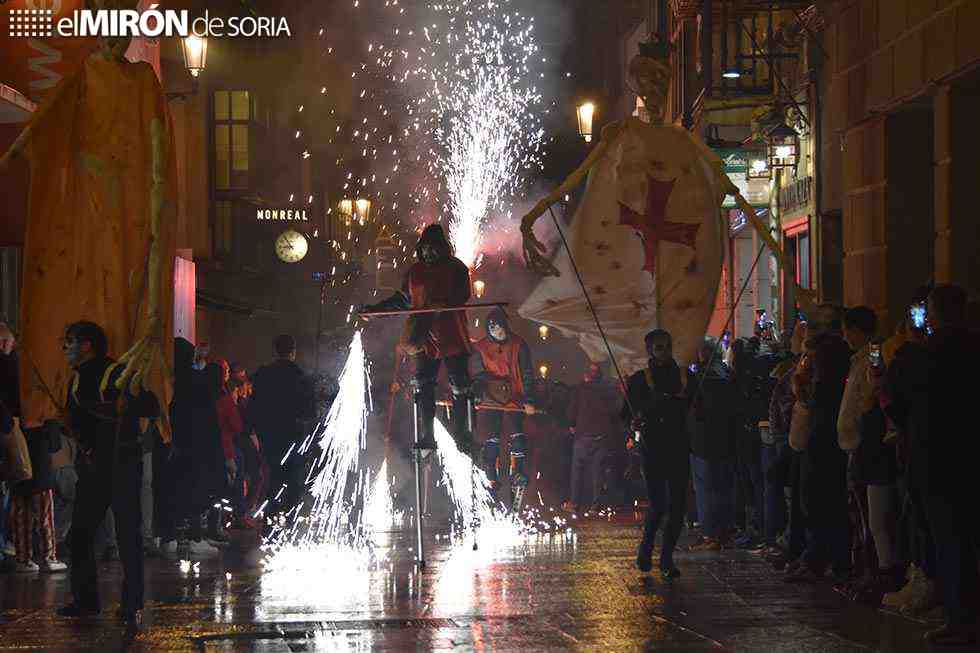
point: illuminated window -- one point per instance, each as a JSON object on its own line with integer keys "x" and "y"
{"x": 233, "y": 115}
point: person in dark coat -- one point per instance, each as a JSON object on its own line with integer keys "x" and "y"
{"x": 711, "y": 422}
{"x": 205, "y": 458}
{"x": 169, "y": 494}
{"x": 593, "y": 423}
{"x": 931, "y": 404}
{"x": 823, "y": 466}
{"x": 658, "y": 406}
{"x": 280, "y": 409}
{"x": 106, "y": 422}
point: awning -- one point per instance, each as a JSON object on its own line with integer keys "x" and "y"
{"x": 14, "y": 106}
{"x": 217, "y": 303}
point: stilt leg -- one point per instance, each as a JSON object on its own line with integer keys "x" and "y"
{"x": 419, "y": 551}
{"x": 470, "y": 427}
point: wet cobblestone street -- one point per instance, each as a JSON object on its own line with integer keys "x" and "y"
{"x": 553, "y": 594}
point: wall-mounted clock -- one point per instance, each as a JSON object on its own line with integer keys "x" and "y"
{"x": 291, "y": 246}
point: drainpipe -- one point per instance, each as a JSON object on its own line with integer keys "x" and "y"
{"x": 817, "y": 144}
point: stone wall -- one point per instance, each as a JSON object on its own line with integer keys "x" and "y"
{"x": 888, "y": 58}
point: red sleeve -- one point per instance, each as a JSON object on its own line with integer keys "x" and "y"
{"x": 230, "y": 421}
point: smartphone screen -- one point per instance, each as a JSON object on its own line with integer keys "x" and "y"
{"x": 917, "y": 313}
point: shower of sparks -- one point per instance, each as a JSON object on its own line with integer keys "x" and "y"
{"x": 444, "y": 124}
{"x": 379, "y": 508}
{"x": 497, "y": 527}
{"x": 486, "y": 111}
{"x": 326, "y": 525}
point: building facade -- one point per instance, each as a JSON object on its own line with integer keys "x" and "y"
{"x": 898, "y": 164}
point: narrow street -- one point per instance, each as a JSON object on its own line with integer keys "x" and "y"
{"x": 581, "y": 594}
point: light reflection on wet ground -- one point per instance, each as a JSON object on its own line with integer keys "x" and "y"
{"x": 554, "y": 592}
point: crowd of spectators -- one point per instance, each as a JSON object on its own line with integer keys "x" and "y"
{"x": 835, "y": 454}
{"x": 221, "y": 468}
{"x": 844, "y": 453}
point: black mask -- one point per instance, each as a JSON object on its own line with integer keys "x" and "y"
{"x": 429, "y": 253}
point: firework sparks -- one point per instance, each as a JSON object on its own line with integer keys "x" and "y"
{"x": 334, "y": 485}
{"x": 485, "y": 107}
{"x": 379, "y": 510}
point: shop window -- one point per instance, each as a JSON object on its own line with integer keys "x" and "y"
{"x": 797, "y": 248}
{"x": 803, "y": 260}
{"x": 233, "y": 115}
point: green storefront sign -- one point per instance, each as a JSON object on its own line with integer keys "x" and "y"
{"x": 735, "y": 160}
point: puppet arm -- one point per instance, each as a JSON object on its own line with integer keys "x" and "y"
{"x": 23, "y": 141}
{"x": 534, "y": 249}
{"x": 139, "y": 360}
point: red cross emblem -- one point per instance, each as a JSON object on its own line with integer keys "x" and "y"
{"x": 654, "y": 226}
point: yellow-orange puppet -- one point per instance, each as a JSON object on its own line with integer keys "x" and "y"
{"x": 100, "y": 239}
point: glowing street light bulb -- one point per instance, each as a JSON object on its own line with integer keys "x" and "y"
{"x": 478, "y": 287}
{"x": 543, "y": 331}
{"x": 346, "y": 209}
{"x": 363, "y": 208}
{"x": 543, "y": 371}
{"x": 195, "y": 51}
{"x": 585, "y": 112}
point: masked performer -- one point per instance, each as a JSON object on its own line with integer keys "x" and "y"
{"x": 506, "y": 379}
{"x": 437, "y": 280}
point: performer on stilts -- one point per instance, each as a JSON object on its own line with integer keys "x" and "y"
{"x": 437, "y": 280}
{"x": 506, "y": 378}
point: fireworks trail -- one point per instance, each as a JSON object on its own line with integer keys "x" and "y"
{"x": 379, "y": 509}
{"x": 327, "y": 526}
{"x": 486, "y": 111}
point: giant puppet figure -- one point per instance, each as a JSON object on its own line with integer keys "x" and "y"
{"x": 647, "y": 238}
{"x": 100, "y": 239}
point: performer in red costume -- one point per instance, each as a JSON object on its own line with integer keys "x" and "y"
{"x": 506, "y": 378}
{"x": 437, "y": 280}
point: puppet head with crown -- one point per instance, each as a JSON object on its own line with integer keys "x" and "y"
{"x": 649, "y": 73}
{"x": 113, "y": 47}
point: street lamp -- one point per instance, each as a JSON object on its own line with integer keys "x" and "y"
{"x": 346, "y": 208}
{"x": 758, "y": 165}
{"x": 543, "y": 331}
{"x": 363, "y": 208}
{"x": 784, "y": 144}
{"x": 585, "y": 112}
{"x": 195, "y": 50}
{"x": 543, "y": 371}
{"x": 478, "y": 287}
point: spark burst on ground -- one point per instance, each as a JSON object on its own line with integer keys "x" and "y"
{"x": 326, "y": 526}
{"x": 334, "y": 531}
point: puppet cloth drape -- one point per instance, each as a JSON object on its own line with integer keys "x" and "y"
{"x": 87, "y": 245}
{"x": 648, "y": 241}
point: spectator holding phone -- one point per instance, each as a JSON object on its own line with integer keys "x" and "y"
{"x": 933, "y": 404}
{"x": 861, "y": 431}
